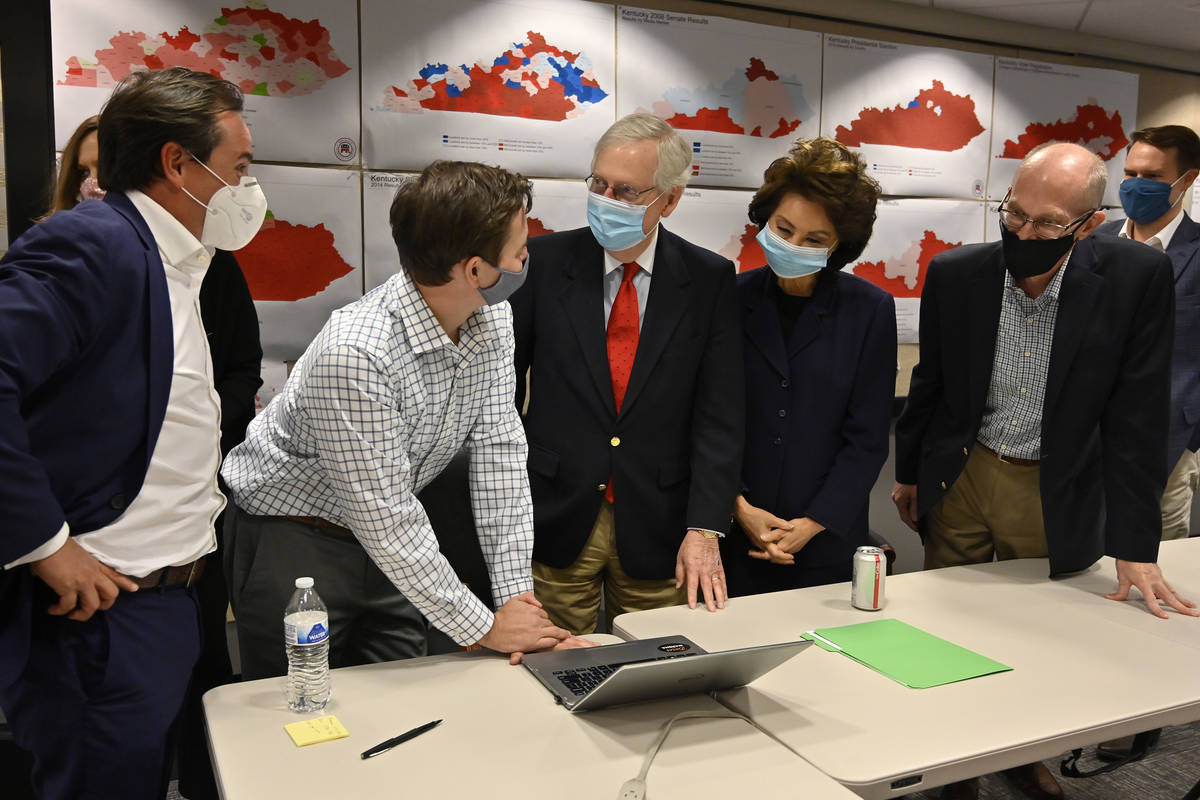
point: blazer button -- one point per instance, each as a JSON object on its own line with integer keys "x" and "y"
{"x": 785, "y": 383}
{"x": 783, "y": 412}
{"x": 600, "y": 487}
{"x": 778, "y": 440}
{"x": 117, "y": 501}
{"x": 615, "y": 441}
{"x": 965, "y": 451}
{"x": 943, "y": 484}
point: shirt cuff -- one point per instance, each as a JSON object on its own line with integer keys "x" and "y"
{"x": 510, "y": 589}
{"x": 471, "y": 621}
{"x": 46, "y": 550}
{"x": 718, "y": 534}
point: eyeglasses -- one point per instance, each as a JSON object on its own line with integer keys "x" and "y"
{"x": 622, "y": 191}
{"x": 1042, "y": 229}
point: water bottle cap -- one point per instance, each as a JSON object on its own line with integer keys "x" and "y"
{"x": 304, "y": 583}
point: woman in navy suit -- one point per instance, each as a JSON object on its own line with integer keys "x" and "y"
{"x": 820, "y": 354}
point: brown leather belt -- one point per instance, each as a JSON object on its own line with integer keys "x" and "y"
{"x": 180, "y": 577}
{"x": 318, "y": 522}
{"x": 1020, "y": 462}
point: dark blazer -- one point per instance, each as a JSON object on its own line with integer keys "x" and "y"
{"x": 675, "y": 449}
{"x": 1184, "y": 252}
{"x": 233, "y": 342}
{"x": 86, "y": 353}
{"x": 1104, "y": 420}
{"x": 818, "y": 411}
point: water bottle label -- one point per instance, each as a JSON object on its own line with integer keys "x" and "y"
{"x": 304, "y": 632}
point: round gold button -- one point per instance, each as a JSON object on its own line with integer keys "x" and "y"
{"x": 600, "y": 487}
{"x": 943, "y": 484}
{"x": 615, "y": 441}
{"x": 965, "y": 451}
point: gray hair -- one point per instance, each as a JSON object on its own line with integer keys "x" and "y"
{"x": 1097, "y": 175}
{"x": 674, "y": 155}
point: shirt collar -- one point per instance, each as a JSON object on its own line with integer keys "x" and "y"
{"x": 1159, "y": 241}
{"x": 645, "y": 260}
{"x": 176, "y": 244}
{"x": 425, "y": 333}
{"x": 1052, "y": 290}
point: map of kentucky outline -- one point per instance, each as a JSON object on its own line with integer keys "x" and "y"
{"x": 290, "y": 262}
{"x": 904, "y": 276}
{"x": 936, "y": 119}
{"x": 531, "y": 80}
{"x": 1092, "y": 126}
{"x": 263, "y": 52}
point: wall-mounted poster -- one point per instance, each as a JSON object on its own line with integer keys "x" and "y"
{"x": 740, "y": 92}
{"x": 1038, "y": 102}
{"x": 307, "y": 259}
{"x": 296, "y": 61}
{"x": 380, "y": 260}
{"x": 908, "y": 234}
{"x": 919, "y": 115}
{"x": 527, "y": 85}
{"x": 716, "y": 219}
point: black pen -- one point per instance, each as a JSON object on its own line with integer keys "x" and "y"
{"x": 383, "y": 747}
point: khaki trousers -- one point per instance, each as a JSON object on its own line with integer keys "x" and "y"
{"x": 993, "y": 510}
{"x": 1177, "y": 499}
{"x": 571, "y": 595}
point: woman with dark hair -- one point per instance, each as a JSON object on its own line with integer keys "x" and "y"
{"x": 820, "y": 355}
{"x": 78, "y": 169}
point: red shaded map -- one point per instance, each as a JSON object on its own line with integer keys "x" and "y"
{"x": 262, "y": 51}
{"x": 935, "y": 120}
{"x": 719, "y": 120}
{"x": 517, "y": 84}
{"x": 290, "y": 262}
{"x": 536, "y": 228}
{"x": 875, "y": 271}
{"x": 1092, "y": 125}
{"x": 750, "y": 255}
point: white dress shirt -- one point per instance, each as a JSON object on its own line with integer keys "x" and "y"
{"x": 614, "y": 272}
{"x": 1159, "y": 241}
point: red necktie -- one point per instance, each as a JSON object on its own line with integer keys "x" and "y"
{"x": 622, "y": 340}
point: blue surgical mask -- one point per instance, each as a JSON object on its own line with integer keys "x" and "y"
{"x": 1145, "y": 199}
{"x": 508, "y": 283}
{"x": 788, "y": 260}
{"x": 617, "y": 226}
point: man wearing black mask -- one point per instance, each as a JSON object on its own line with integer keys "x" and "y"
{"x": 1036, "y": 421}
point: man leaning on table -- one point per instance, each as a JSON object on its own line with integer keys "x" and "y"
{"x": 390, "y": 390}
{"x": 1036, "y": 420}
{"x": 109, "y": 438}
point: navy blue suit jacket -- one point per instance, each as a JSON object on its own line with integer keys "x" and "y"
{"x": 1184, "y": 252}
{"x": 818, "y": 409}
{"x": 675, "y": 447}
{"x": 86, "y": 353}
{"x": 1104, "y": 419}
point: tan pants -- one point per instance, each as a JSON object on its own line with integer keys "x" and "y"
{"x": 993, "y": 510}
{"x": 1177, "y": 499}
{"x": 571, "y": 595}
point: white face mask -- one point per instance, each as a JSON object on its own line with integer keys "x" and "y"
{"x": 234, "y": 213}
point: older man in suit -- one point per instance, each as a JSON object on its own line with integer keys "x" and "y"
{"x": 632, "y": 342}
{"x": 1036, "y": 420}
{"x": 109, "y": 438}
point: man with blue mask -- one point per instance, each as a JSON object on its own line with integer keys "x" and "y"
{"x": 630, "y": 337}
{"x": 390, "y": 390}
{"x": 1160, "y": 166}
{"x": 109, "y": 443}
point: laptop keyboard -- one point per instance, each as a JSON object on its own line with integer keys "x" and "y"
{"x": 582, "y": 680}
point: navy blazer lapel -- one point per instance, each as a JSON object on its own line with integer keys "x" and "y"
{"x": 984, "y": 293}
{"x": 808, "y": 324}
{"x": 664, "y": 308}
{"x": 1076, "y": 299}
{"x": 162, "y": 335}
{"x": 583, "y": 300}
{"x": 1185, "y": 247}
{"x": 763, "y": 329}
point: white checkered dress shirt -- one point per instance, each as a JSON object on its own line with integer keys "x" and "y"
{"x": 1012, "y": 416}
{"x": 373, "y": 411}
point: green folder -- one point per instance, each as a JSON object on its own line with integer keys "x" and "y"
{"x": 905, "y": 654}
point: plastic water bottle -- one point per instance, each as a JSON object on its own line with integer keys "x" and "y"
{"x": 306, "y": 637}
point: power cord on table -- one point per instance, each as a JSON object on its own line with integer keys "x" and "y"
{"x": 635, "y": 788}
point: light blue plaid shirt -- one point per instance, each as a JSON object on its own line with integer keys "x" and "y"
{"x": 1012, "y": 415}
{"x": 373, "y": 411}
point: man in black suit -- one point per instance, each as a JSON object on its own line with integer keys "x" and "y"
{"x": 1036, "y": 420}
{"x": 635, "y": 416}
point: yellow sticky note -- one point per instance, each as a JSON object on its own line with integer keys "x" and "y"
{"x": 312, "y": 731}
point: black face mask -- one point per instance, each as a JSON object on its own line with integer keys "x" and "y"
{"x": 1024, "y": 258}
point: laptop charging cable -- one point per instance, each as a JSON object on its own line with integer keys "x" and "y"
{"x": 635, "y": 788}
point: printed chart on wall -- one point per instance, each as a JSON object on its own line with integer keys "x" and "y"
{"x": 740, "y": 92}
{"x": 306, "y": 261}
{"x": 528, "y": 85}
{"x": 380, "y": 260}
{"x": 295, "y": 60}
{"x": 1038, "y": 102}
{"x": 908, "y": 234}
{"x": 557, "y": 206}
{"x": 923, "y": 130}
{"x": 716, "y": 219}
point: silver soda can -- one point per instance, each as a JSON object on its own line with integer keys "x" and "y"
{"x": 870, "y": 574}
